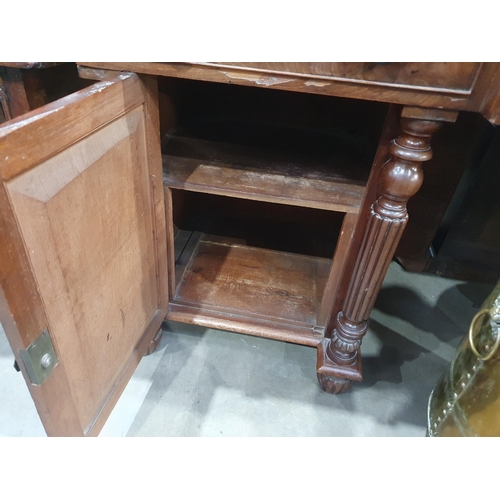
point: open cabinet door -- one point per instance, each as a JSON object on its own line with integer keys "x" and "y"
{"x": 83, "y": 268}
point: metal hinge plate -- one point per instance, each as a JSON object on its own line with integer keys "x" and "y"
{"x": 39, "y": 358}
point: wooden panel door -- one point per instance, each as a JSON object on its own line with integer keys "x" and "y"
{"x": 83, "y": 245}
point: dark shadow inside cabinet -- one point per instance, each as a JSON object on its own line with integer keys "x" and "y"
{"x": 266, "y": 131}
{"x": 263, "y": 189}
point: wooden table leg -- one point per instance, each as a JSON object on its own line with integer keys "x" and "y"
{"x": 339, "y": 358}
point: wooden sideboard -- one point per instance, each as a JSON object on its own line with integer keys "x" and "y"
{"x": 163, "y": 192}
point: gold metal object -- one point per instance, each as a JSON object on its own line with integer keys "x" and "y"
{"x": 466, "y": 400}
{"x": 471, "y": 336}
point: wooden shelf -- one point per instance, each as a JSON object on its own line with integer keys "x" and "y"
{"x": 222, "y": 283}
{"x": 280, "y": 179}
{"x": 262, "y": 174}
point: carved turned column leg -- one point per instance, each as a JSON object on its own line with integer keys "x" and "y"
{"x": 339, "y": 359}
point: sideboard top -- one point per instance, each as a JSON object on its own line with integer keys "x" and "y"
{"x": 459, "y": 86}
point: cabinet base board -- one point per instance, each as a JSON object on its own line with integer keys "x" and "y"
{"x": 258, "y": 327}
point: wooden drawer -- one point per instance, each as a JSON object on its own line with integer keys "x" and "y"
{"x": 452, "y": 77}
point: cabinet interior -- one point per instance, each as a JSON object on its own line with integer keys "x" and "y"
{"x": 259, "y": 184}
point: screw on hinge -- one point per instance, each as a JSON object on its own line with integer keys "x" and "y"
{"x": 39, "y": 358}
{"x": 46, "y": 361}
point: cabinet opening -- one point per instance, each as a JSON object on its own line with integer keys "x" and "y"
{"x": 267, "y": 145}
{"x": 264, "y": 188}
{"x": 266, "y": 262}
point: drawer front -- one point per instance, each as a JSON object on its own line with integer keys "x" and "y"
{"x": 455, "y": 77}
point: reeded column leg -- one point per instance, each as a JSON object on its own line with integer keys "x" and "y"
{"x": 339, "y": 358}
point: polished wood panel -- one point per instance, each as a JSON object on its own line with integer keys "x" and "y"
{"x": 23, "y": 318}
{"x": 457, "y": 77}
{"x": 149, "y": 88}
{"x": 256, "y": 326}
{"x": 93, "y": 226}
{"x": 343, "y": 249}
{"x": 257, "y": 178}
{"x": 65, "y": 121}
{"x": 171, "y": 248}
{"x": 253, "y": 281}
{"x": 483, "y": 97}
{"x": 95, "y": 251}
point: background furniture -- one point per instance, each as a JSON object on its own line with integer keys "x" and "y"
{"x": 27, "y": 86}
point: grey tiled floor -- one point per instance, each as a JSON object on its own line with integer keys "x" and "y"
{"x": 204, "y": 382}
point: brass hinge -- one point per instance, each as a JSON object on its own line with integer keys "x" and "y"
{"x": 39, "y": 358}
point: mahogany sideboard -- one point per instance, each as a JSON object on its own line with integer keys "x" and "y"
{"x": 269, "y": 207}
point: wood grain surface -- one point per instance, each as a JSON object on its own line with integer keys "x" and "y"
{"x": 256, "y": 281}
{"x": 89, "y": 213}
{"x": 265, "y": 181}
{"x": 457, "y": 77}
{"x": 477, "y": 86}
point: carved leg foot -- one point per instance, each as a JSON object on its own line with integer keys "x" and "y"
{"x": 335, "y": 378}
{"x": 154, "y": 343}
{"x": 333, "y": 385}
